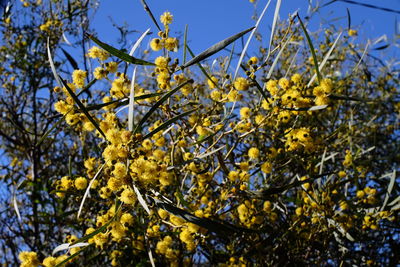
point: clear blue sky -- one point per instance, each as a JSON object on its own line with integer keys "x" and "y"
{"x": 213, "y": 20}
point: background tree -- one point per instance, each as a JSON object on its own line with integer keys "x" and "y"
{"x": 30, "y": 160}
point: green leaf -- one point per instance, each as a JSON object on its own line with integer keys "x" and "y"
{"x": 120, "y": 102}
{"x": 219, "y": 228}
{"x": 158, "y": 103}
{"x": 70, "y": 59}
{"x": 314, "y": 55}
{"x": 87, "y": 87}
{"x": 185, "y": 44}
{"x": 230, "y": 58}
{"x": 83, "y": 108}
{"x": 348, "y": 19}
{"x": 168, "y": 123}
{"x": 98, "y": 230}
{"x": 215, "y": 48}
{"x": 244, "y": 50}
{"x": 147, "y": 9}
{"x": 119, "y": 53}
{"x": 202, "y": 69}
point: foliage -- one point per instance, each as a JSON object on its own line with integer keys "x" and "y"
{"x": 294, "y": 160}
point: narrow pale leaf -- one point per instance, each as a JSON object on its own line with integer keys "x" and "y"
{"x": 220, "y": 228}
{"x": 204, "y": 155}
{"x": 131, "y": 101}
{"x": 185, "y": 44}
{"x": 249, "y": 39}
{"x": 62, "y": 263}
{"x": 88, "y": 189}
{"x": 138, "y": 42}
{"x": 53, "y": 68}
{"x": 141, "y": 199}
{"x": 274, "y": 64}
{"x": 16, "y": 208}
{"x": 61, "y": 247}
{"x": 276, "y": 15}
{"x": 389, "y": 189}
{"x": 325, "y": 59}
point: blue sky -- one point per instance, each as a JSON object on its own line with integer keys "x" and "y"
{"x": 210, "y": 21}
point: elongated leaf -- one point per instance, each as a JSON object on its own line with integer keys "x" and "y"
{"x": 313, "y": 108}
{"x": 66, "y": 246}
{"x": 168, "y": 123}
{"x": 202, "y": 68}
{"x": 147, "y": 9}
{"x": 83, "y": 108}
{"x": 120, "y": 102}
{"x": 60, "y": 248}
{"x": 87, "y": 87}
{"x": 185, "y": 44}
{"x": 230, "y": 58}
{"x": 215, "y": 48}
{"x": 88, "y": 189}
{"x": 16, "y": 207}
{"x": 258, "y": 86}
{"x": 70, "y": 59}
{"x": 389, "y": 189}
{"x": 276, "y": 15}
{"x": 131, "y": 101}
{"x": 274, "y": 64}
{"x": 141, "y": 199}
{"x": 52, "y": 128}
{"x": 325, "y": 59}
{"x": 138, "y": 42}
{"x": 204, "y": 155}
{"x": 249, "y": 39}
{"x": 348, "y": 19}
{"x": 312, "y": 49}
{"x": 393, "y": 202}
{"x": 382, "y": 47}
{"x": 341, "y": 229}
{"x": 158, "y": 103}
{"x": 349, "y": 98}
{"x": 219, "y": 228}
{"x": 53, "y": 68}
{"x": 98, "y": 230}
{"x": 118, "y": 53}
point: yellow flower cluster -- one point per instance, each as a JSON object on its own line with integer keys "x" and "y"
{"x": 96, "y": 52}
{"x": 49, "y": 24}
{"x": 169, "y": 43}
{"x": 299, "y": 139}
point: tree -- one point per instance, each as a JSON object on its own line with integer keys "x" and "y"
{"x": 30, "y": 160}
{"x": 292, "y": 159}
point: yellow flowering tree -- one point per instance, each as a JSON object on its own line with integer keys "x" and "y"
{"x": 290, "y": 159}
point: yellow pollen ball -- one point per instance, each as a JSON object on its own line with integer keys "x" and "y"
{"x": 254, "y": 153}
{"x": 81, "y": 183}
{"x": 241, "y": 84}
{"x": 245, "y": 113}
